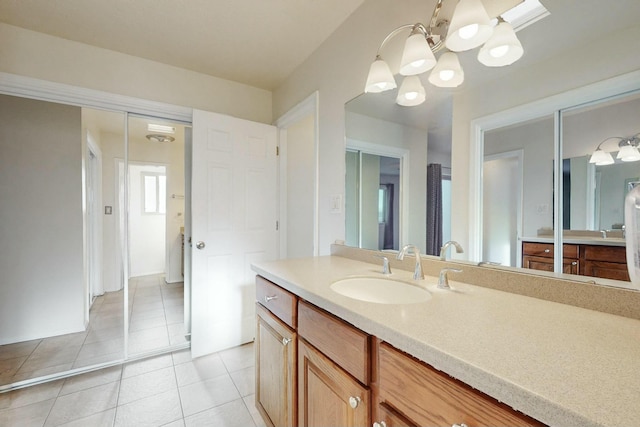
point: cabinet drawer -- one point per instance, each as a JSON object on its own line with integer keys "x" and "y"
{"x": 430, "y": 397}
{"x": 617, "y": 254}
{"x": 546, "y": 250}
{"x": 341, "y": 342}
{"x": 279, "y": 301}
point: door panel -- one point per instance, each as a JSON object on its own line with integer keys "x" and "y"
{"x": 234, "y": 216}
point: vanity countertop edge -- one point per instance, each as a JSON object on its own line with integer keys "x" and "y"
{"x": 560, "y": 364}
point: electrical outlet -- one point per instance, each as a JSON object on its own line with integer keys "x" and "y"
{"x": 108, "y": 210}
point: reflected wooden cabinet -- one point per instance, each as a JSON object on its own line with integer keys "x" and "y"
{"x": 607, "y": 262}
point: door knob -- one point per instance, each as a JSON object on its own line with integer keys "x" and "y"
{"x": 200, "y": 245}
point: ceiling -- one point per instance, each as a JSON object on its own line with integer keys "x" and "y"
{"x": 255, "y": 42}
{"x": 227, "y": 39}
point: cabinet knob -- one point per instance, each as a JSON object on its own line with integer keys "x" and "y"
{"x": 354, "y": 402}
{"x": 268, "y": 298}
{"x": 459, "y": 425}
{"x": 574, "y": 263}
{"x": 380, "y": 424}
{"x": 546, "y": 251}
{"x": 286, "y": 341}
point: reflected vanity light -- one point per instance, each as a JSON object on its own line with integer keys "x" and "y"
{"x": 627, "y": 151}
{"x": 469, "y": 28}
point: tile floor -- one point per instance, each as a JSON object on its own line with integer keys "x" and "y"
{"x": 156, "y": 320}
{"x": 167, "y": 390}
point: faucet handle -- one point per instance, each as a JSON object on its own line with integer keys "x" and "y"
{"x": 386, "y": 267}
{"x": 443, "y": 280}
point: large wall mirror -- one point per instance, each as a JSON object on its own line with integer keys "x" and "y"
{"x": 388, "y": 148}
{"x": 542, "y": 186}
{"x": 92, "y": 217}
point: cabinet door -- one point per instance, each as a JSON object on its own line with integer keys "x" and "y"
{"x": 275, "y": 370}
{"x": 328, "y": 396}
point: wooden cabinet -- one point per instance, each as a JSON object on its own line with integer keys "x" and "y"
{"x": 412, "y": 393}
{"x": 316, "y": 370}
{"x": 276, "y": 375}
{"x": 607, "y": 262}
{"x": 333, "y": 370}
{"x": 539, "y": 256}
{"x": 328, "y": 395}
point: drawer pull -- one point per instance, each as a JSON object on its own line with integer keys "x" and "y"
{"x": 268, "y": 298}
{"x": 574, "y": 263}
{"x": 463, "y": 424}
{"x": 546, "y": 251}
{"x": 380, "y": 424}
{"x": 286, "y": 341}
{"x": 354, "y": 402}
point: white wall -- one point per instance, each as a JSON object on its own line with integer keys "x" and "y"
{"x": 41, "y": 237}
{"x": 40, "y": 56}
{"x": 338, "y": 70}
{"x": 300, "y": 187}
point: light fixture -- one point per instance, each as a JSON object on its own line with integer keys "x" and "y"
{"x": 503, "y": 48}
{"x": 470, "y": 27}
{"x": 152, "y": 127}
{"x": 411, "y": 92}
{"x": 160, "y": 138}
{"x": 627, "y": 151}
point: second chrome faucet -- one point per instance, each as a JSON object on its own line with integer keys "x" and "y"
{"x": 417, "y": 273}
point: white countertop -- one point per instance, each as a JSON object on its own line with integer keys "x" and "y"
{"x": 563, "y": 365}
{"x": 579, "y": 240}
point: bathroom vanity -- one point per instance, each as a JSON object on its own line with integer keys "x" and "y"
{"x": 587, "y": 256}
{"x": 472, "y": 355}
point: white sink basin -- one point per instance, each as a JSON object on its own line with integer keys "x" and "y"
{"x": 380, "y": 290}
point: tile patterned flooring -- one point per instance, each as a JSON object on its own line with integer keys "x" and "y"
{"x": 172, "y": 389}
{"x": 156, "y": 320}
{"x": 168, "y": 390}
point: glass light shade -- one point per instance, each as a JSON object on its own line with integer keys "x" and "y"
{"x": 470, "y": 26}
{"x": 447, "y": 72}
{"x": 417, "y": 56}
{"x": 503, "y": 48}
{"x": 411, "y": 92}
{"x": 628, "y": 153}
{"x": 379, "y": 78}
{"x": 601, "y": 158}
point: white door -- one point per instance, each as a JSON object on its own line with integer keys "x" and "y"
{"x": 502, "y": 201}
{"x": 234, "y": 224}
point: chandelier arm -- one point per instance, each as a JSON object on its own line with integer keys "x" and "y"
{"x": 610, "y": 138}
{"x": 393, "y": 34}
{"x": 434, "y": 17}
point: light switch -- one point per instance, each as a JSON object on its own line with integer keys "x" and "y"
{"x": 336, "y": 203}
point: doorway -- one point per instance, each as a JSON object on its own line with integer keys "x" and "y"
{"x": 502, "y": 195}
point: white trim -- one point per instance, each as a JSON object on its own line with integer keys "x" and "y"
{"x": 27, "y": 87}
{"x": 403, "y": 155}
{"x": 307, "y": 107}
{"x": 616, "y": 86}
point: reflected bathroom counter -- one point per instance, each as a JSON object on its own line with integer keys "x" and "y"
{"x": 579, "y": 240}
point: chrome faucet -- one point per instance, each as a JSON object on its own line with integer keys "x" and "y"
{"x": 443, "y": 250}
{"x": 386, "y": 268}
{"x": 443, "y": 280}
{"x": 417, "y": 274}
